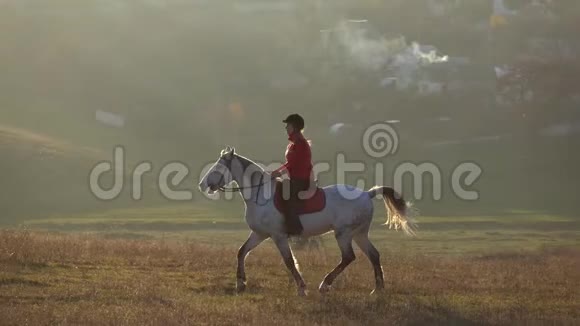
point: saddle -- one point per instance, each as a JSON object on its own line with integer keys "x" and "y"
{"x": 314, "y": 198}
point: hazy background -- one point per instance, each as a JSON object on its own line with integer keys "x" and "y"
{"x": 190, "y": 77}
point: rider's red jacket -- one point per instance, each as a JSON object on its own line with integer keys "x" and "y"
{"x": 298, "y": 157}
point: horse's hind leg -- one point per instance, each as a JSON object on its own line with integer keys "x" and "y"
{"x": 290, "y": 261}
{"x": 344, "y": 240}
{"x": 253, "y": 241}
{"x": 363, "y": 242}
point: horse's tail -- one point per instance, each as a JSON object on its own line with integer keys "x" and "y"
{"x": 400, "y": 214}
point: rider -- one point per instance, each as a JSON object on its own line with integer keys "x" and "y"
{"x": 299, "y": 167}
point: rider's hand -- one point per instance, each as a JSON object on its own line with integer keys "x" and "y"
{"x": 275, "y": 174}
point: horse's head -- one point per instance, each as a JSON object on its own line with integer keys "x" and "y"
{"x": 219, "y": 174}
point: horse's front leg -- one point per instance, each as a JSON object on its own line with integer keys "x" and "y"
{"x": 290, "y": 261}
{"x": 253, "y": 241}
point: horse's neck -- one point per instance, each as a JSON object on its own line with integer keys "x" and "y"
{"x": 243, "y": 177}
{"x": 250, "y": 183}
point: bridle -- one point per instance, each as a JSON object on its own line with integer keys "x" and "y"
{"x": 228, "y": 166}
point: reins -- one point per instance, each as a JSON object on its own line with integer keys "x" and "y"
{"x": 237, "y": 189}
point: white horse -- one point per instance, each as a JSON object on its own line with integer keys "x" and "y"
{"x": 348, "y": 212}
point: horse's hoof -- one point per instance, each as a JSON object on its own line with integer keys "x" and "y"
{"x": 302, "y": 292}
{"x": 323, "y": 288}
{"x": 377, "y": 292}
{"x": 240, "y": 287}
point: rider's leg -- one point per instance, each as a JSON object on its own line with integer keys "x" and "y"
{"x": 293, "y": 220}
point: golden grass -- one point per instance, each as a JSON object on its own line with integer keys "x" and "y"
{"x": 81, "y": 279}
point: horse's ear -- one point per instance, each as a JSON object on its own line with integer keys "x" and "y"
{"x": 228, "y": 152}
{"x": 233, "y": 150}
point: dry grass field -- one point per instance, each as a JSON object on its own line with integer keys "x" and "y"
{"x": 52, "y": 278}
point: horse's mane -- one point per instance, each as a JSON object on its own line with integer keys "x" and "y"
{"x": 247, "y": 161}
